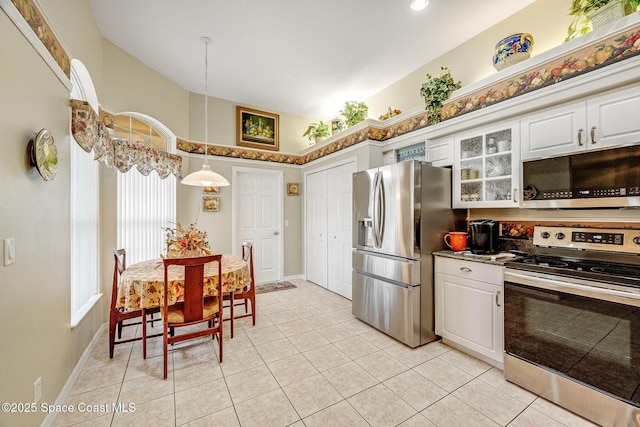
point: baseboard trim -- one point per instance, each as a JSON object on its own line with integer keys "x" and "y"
{"x": 68, "y": 386}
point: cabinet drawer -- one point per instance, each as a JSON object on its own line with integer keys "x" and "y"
{"x": 488, "y": 273}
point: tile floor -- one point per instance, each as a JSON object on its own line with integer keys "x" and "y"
{"x": 307, "y": 362}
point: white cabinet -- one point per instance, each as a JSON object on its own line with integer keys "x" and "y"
{"x": 602, "y": 121}
{"x": 486, "y": 167}
{"x": 469, "y": 306}
{"x": 612, "y": 118}
{"x": 328, "y": 227}
{"x": 440, "y": 152}
{"x": 554, "y": 131}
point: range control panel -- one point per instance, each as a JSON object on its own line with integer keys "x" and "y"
{"x": 601, "y": 239}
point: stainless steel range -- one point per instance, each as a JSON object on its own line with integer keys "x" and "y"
{"x": 572, "y": 322}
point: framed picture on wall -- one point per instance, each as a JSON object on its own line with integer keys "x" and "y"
{"x": 257, "y": 129}
{"x": 210, "y": 190}
{"x": 293, "y": 189}
{"x": 211, "y": 204}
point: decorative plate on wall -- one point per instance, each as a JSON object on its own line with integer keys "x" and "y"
{"x": 44, "y": 155}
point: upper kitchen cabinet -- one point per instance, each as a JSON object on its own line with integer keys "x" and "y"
{"x": 440, "y": 152}
{"x": 486, "y": 167}
{"x": 602, "y": 121}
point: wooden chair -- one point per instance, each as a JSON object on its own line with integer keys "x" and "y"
{"x": 118, "y": 315}
{"x": 246, "y": 294}
{"x": 195, "y": 308}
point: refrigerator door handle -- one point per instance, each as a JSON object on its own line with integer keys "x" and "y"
{"x": 382, "y": 206}
{"x": 374, "y": 213}
{"x": 378, "y": 210}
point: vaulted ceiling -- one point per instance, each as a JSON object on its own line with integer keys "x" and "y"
{"x": 304, "y": 57}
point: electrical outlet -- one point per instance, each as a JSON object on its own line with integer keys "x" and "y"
{"x": 37, "y": 390}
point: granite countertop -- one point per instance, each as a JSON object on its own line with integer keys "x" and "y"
{"x": 495, "y": 259}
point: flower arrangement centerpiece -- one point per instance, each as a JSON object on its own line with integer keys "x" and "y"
{"x": 435, "y": 91}
{"x": 186, "y": 242}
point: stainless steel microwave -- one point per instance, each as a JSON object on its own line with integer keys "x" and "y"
{"x": 592, "y": 179}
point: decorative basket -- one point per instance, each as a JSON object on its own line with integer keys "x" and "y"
{"x": 608, "y": 13}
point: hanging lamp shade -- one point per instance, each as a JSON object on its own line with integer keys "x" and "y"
{"x": 205, "y": 177}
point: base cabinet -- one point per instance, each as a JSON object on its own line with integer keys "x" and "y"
{"x": 469, "y": 306}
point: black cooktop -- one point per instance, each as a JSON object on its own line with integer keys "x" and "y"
{"x": 603, "y": 271}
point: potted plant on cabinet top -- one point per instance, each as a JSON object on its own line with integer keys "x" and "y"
{"x": 317, "y": 131}
{"x": 354, "y": 112}
{"x": 592, "y": 14}
{"x": 435, "y": 91}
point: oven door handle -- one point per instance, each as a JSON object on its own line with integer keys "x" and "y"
{"x": 612, "y": 295}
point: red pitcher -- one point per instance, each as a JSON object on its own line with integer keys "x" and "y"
{"x": 456, "y": 240}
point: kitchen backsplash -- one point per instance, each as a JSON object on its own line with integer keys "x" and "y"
{"x": 517, "y": 224}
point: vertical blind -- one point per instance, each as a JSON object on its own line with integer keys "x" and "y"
{"x": 84, "y": 232}
{"x": 146, "y": 206}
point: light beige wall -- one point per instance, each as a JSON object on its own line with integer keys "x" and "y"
{"x": 129, "y": 85}
{"x": 35, "y": 307}
{"x": 546, "y": 20}
{"x": 35, "y": 301}
{"x": 222, "y": 124}
{"x": 218, "y": 224}
{"x": 222, "y": 131}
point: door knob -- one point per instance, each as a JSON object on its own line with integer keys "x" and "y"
{"x": 275, "y": 233}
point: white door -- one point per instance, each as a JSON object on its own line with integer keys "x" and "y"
{"x": 316, "y": 227}
{"x": 339, "y": 228}
{"x": 258, "y": 201}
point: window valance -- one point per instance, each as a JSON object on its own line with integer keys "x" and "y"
{"x": 92, "y": 134}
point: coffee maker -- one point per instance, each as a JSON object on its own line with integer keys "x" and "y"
{"x": 485, "y": 234}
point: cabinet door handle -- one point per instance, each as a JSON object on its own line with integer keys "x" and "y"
{"x": 497, "y": 298}
{"x": 515, "y": 195}
{"x": 593, "y": 134}
{"x": 466, "y": 269}
{"x": 580, "y": 137}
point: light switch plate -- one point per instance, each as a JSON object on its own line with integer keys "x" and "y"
{"x": 9, "y": 251}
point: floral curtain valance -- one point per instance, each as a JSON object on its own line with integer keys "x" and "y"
{"x": 92, "y": 134}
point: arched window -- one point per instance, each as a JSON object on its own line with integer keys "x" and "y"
{"x": 146, "y": 205}
{"x": 85, "y": 268}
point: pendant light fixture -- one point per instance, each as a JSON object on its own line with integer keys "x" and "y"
{"x": 205, "y": 177}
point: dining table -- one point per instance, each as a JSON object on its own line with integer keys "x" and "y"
{"x": 141, "y": 284}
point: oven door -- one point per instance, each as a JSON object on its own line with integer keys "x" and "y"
{"x": 580, "y": 332}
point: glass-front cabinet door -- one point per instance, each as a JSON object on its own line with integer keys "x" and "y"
{"x": 486, "y": 167}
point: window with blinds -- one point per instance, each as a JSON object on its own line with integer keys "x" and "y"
{"x": 146, "y": 205}
{"x": 85, "y": 214}
{"x": 85, "y": 290}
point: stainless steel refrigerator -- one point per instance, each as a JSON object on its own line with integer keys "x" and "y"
{"x": 400, "y": 215}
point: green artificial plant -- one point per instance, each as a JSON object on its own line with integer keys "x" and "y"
{"x": 317, "y": 130}
{"x": 437, "y": 90}
{"x": 354, "y": 112}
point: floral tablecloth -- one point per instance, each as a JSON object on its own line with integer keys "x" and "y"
{"x": 141, "y": 284}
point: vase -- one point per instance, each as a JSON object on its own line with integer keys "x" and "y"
{"x": 511, "y": 50}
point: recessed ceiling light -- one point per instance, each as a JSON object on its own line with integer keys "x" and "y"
{"x": 418, "y": 4}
